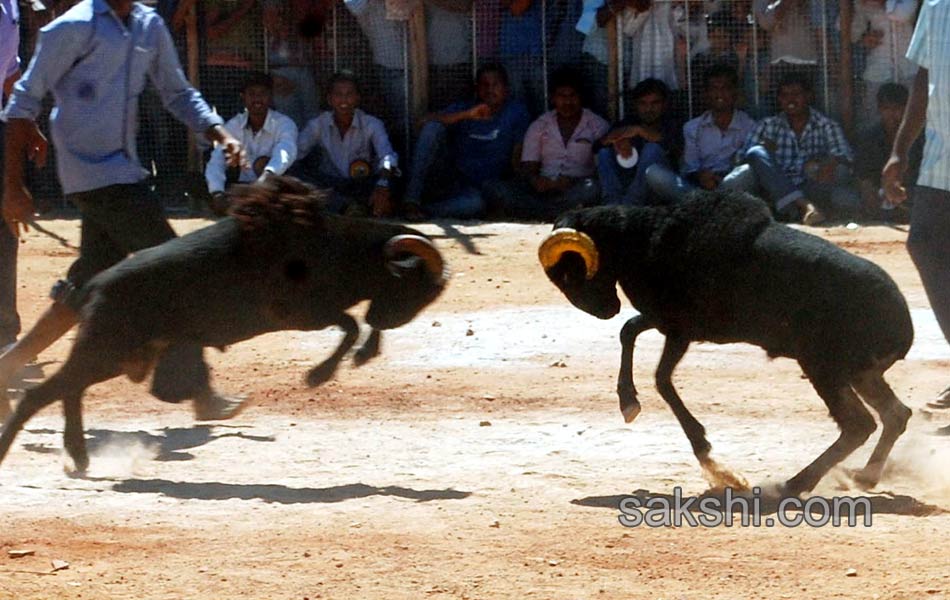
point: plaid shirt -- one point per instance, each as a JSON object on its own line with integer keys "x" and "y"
{"x": 820, "y": 139}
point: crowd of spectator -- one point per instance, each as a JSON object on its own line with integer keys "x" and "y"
{"x": 529, "y": 137}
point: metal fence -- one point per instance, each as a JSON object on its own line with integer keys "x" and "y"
{"x": 414, "y": 55}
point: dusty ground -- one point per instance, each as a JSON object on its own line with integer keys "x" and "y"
{"x": 481, "y": 456}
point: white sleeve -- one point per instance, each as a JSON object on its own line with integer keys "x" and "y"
{"x": 284, "y": 152}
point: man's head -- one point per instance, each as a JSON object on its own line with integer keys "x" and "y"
{"x": 343, "y": 94}
{"x": 891, "y": 101}
{"x": 122, "y": 8}
{"x": 256, "y": 94}
{"x": 491, "y": 85}
{"x": 721, "y": 83}
{"x": 795, "y": 95}
{"x": 565, "y": 91}
{"x": 650, "y": 100}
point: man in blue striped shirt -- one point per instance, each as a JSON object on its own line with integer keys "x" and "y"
{"x": 929, "y": 239}
{"x": 94, "y": 59}
{"x": 799, "y": 158}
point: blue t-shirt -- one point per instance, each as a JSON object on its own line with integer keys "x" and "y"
{"x": 521, "y": 36}
{"x": 483, "y": 149}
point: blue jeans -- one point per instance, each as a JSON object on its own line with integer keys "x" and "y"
{"x": 929, "y": 247}
{"x": 762, "y": 174}
{"x": 629, "y": 186}
{"x": 432, "y": 169}
{"x": 517, "y": 199}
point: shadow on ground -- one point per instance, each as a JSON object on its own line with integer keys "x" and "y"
{"x": 169, "y": 442}
{"x": 280, "y": 494}
{"x": 883, "y": 503}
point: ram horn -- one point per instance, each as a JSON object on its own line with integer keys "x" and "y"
{"x": 564, "y": 240}
{"x": 418, "y": 246}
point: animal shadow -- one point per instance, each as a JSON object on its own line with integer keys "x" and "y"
{"x": 882, "y": 503}
{"x": 279, "y": 494}
{"x": 170, "y": 441}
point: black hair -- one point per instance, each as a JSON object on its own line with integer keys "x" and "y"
{"x": 796, "y": 78}
{"x": 649, "y": 86}
{"x": 566, "y": 77}
{"x": 721, "y": 70}
{"x": 264, "y": 80}
{"x": 343, "y": 77}
{"x": 492, "y": 67}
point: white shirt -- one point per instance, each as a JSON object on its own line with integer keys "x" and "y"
{"x": 930, "y": 48}
{"x": 276, "y": 139}
{"x": 895, "y": 20}
{"x": 365, "y": 140}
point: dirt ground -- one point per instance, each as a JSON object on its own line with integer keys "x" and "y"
{"x": 482, "y": 455}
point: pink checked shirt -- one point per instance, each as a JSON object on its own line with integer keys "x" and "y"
{"x": 543, "y": 143}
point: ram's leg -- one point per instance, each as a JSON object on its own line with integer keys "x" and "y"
{"x": 34, "y": 400}
{"x": 717, "y": 475}
{"x": 369, "y": 349}
{"x": 626, "y": 390}
{"x": 325, "y": 370}
{"x": 856, "y": 425}
{"x": 894, "y": 415}
{"x": 74, "y": 436}
{"x": 673, "y": 352}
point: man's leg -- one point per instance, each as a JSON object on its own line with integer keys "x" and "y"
{"x": 638, "y": 192}
{"x": 429, "y": 148}
{"x": 9, "y": 319}
{"x": 609, "y": 173}
{"x": 779, "y": 191}
{"x": 666, "y": 184}
{"x": 929, "y": 246}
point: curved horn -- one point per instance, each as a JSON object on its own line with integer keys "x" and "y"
{"x": 564, "y": 240}
{"x": 421, "y": 247}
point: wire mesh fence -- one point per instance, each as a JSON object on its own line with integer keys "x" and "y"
{"x": 411, "y": 56}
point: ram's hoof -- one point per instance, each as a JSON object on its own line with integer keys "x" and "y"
{"x": 320, "y": 375}
{"x": 630, "y": 412}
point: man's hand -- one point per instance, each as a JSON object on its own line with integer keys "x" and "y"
{"x": 380, "y": 202}
{"x": 629, "y": 132}
{"x": 543, "y": 184}
{"x": 219, "y": 203}
{"x": 623, "y": 148}
{"x": 826, "y": 171}
{"x": 891, "y": 180}
{"x": 234, "y": 154}
{"x": 872, "y": 39}
{"x": 37, "y": 146}
{"x": 17, "y": 208}
{"x": 479, "y": 112}
{"x": 708, "y": 180}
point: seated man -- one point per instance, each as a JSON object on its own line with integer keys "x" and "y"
{"x": 647, "y": 137}
{"x": 557, "y": 160}
{"x": 465, "y": 146}
{"x": 873, "y": 147}
{"x": 270, "y": 140}
{"x": 712, "y": 139}
{"x": 799, "y": 160}
{"x": 348, "y": 151}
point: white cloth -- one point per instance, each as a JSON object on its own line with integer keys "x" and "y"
{"x": 276, "y": 139}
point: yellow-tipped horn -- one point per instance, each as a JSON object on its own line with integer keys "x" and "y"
{"x": 421, "y": 247}
{"x": 564, "y": 240}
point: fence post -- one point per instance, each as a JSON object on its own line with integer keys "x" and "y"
{"x": 613, "y": 70}
{"x": 419, "y": 59}
{"x": 846, "y": 75}
{"x": 191, "y": 39}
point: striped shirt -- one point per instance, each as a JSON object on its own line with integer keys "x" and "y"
{"x": 930, "y": 48}
{"x": 820, "y": 139}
